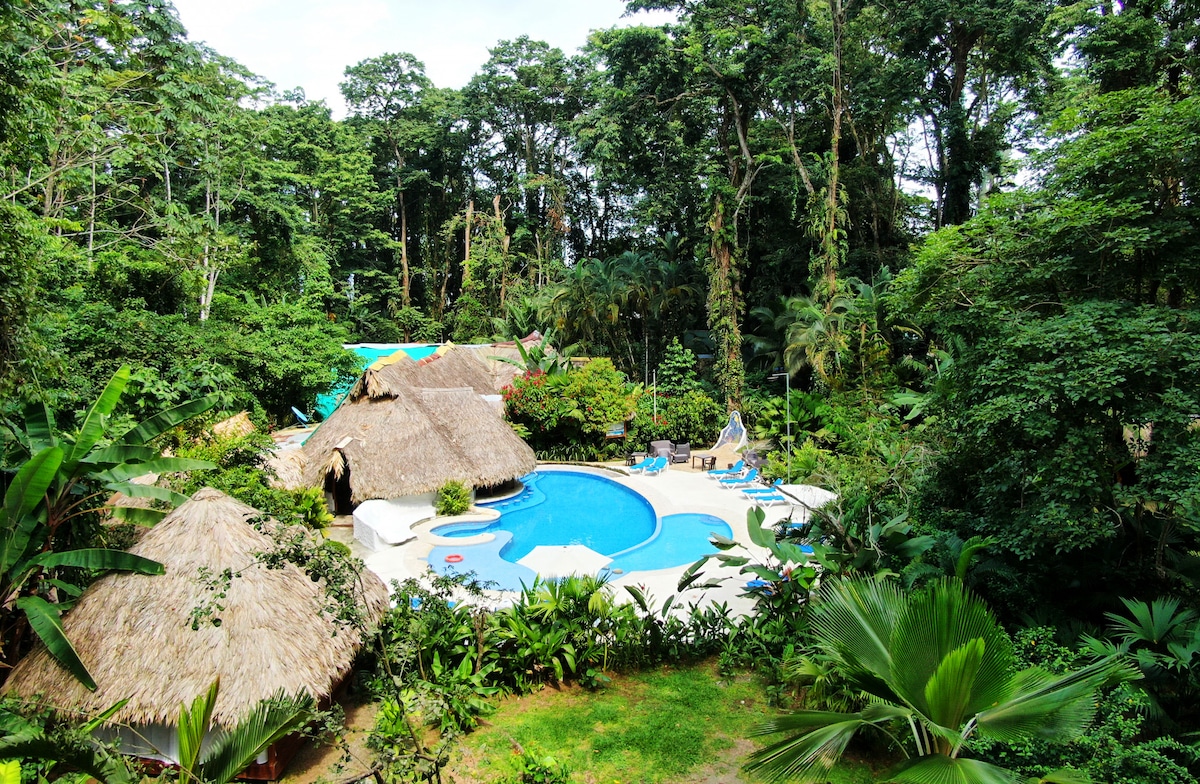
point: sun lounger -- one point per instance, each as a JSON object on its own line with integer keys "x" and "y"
{"x": 642, "y": 466}
{"x": 770, "y": 500}
{"x": 727, "y": 473}
{"x": 773, "y": 489}
{"x": 737, "y": 483}
{"x": 657, "y": 467}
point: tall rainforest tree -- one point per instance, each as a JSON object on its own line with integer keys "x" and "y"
{"x": 386, "y": 92}
{"x": 971, "y": 64}
{"x": 1070, "y": 412}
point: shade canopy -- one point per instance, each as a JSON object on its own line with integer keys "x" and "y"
{"x": 147, "y": 638}
{"x": 563, "y": 560}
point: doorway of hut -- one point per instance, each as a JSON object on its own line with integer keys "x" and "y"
{"x": 337, "y": 491}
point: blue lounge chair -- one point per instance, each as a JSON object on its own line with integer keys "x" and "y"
{"x": 643, "y": 465}
{"x": 770, "y": 500}
{"x": 726, "y": 473}
{"x": 660, "y": 465}
{"x": 740, "y": 482}
{"x": 773, "y": 489}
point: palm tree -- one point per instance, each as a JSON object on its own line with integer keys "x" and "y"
{"x": 817, "y": 337}
{"x": 938, "y": 664}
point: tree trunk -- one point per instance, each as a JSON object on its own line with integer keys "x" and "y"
{"x": 466, "y": 270}
{"x": 404, "y": 281}
{"x": 723, "y": 306}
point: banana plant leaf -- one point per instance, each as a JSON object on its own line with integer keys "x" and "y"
{"x": 138, "y": 516}
{"x": 98, "y": 559}
{"x": 161, "y": 465}
{"x": 46, "y": 623}
{"x": 165, "y": 420}
{"x": 148, "y": 491}
{"x": 92, "y": 429}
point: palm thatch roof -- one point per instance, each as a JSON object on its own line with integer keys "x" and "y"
{"x": 450, "y": 367}
{"x": 288, "y": 466}
{"x": 493, "y": 356}
{"x": 234, "y": 426}
{"x": 400, "y": 440}
{"x": 135, "y": 632}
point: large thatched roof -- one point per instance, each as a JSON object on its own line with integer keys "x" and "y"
{"x": 400, "y": 440}
{"x": 134, "y": 632}
{"x": 449, "y": 368}
{"x": 493, "y": 356}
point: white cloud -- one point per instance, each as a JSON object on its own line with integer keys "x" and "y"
{"x": 309, "y": 43}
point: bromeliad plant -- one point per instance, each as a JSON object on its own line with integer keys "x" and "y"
{"x": 937, "y": 664}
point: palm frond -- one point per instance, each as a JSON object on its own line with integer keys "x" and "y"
{"x": 935, "y": 623}
{"x": 855, "y": 619}
{"x": 940, "y": 769}
{"x": 238, "y": 747}
{"x": 1052, "y": 707}
{"x": 809, "y": 756}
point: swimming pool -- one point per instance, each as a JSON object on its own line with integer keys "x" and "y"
{"x": 575, "y": 508}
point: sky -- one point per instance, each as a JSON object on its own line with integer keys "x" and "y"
{"x": 309, "y": 43}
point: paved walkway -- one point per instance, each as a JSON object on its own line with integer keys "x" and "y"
{"x": 679, "y": 489}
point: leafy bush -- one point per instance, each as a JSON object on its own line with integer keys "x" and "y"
{"x": 571, "y": 409}
{"x": 692, "y": 416}
{"x": 453, "y": 498}
{"x": 534, "y": 769}
{"x": 1114, "y": 748}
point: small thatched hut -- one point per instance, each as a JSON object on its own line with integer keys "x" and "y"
{"x": 135, "y": 633}
{"x": 390, "y": 439}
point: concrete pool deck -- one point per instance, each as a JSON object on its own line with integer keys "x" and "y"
{"x": 677, "y": 490}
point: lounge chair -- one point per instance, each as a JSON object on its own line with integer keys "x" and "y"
{"x": 660, "y": 464}
{"x": 772, "y": 489}
{"x": 681, "y": 453}
{"x": 726, "y": 473}
{"x": 643, "y": 465}
{"x": 737, "y": 483}
{"x": 770, "y": 500}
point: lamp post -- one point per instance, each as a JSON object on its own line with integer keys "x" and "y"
{"x": 787, "y": 407}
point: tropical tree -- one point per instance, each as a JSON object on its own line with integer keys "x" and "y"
{"x": 938, "y": 664}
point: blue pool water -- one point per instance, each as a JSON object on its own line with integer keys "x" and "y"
{"x": 571, "y": 507}
{"x": 567, "y": 507}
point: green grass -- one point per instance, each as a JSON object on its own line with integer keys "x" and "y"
{"x": 664, "y": 726}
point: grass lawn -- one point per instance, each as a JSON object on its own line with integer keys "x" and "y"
{"x": 668, "y": 725}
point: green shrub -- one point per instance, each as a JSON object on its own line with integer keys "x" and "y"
{"x": 311, "y": 507}
{"x": 571, "y": 411}
{"x": 692, "y": 416}
{"x": 340, "y": 548}
{"x": 535, "y": 769}
{"x": 453, "y": 498}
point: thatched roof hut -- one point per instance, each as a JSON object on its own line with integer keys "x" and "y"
{"x": 234, "y": 426}
{"x": 450, "y": 367}
{"x": 398, "y": 440}
{"x": 288, "y": 466}
{"x": 134, "y": 632}
{"x": 493, "y": 356}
